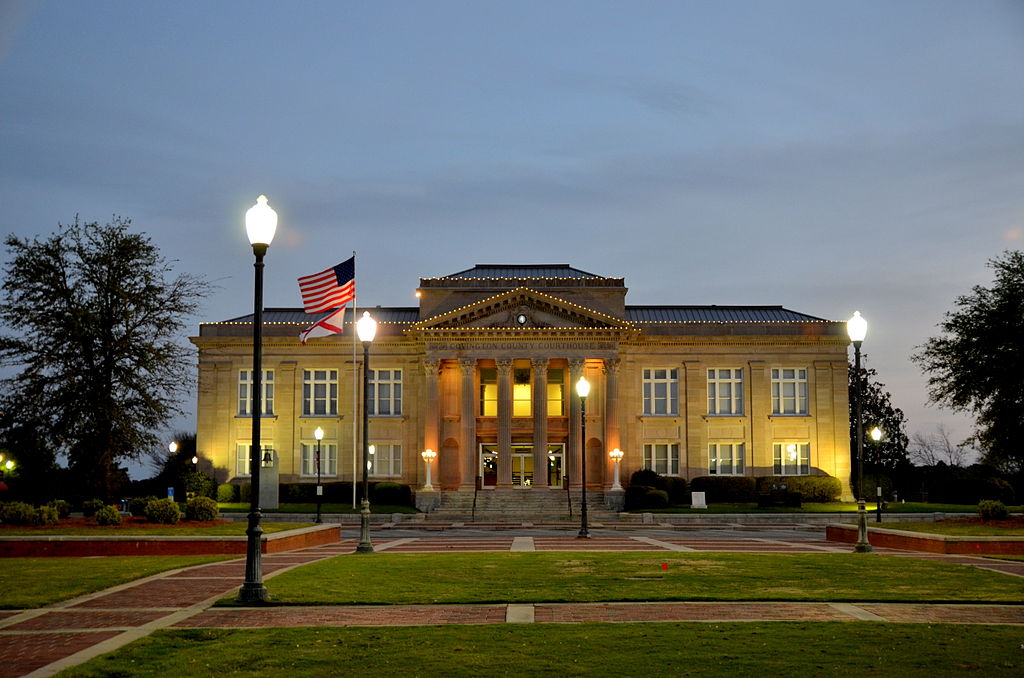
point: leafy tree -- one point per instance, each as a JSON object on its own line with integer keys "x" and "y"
{"x": 90, "y": 318}
{"x": 976, "y": 364}
{"x": 887, "y": 456}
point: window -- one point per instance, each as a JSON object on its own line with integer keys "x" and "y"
{"x": 488, "y": 392}
{"x": 789, "y": 391}
{"x": 328, "y": 459}
{"x": 725, "y": 459}
{"x": 319, "y": 392}
{"x": 791, "y": 459}
{"x": 725, "y": 391}
{"x": 522, "y": 393}
{"x": 385, "y": 392}
{"x": 660, "y": 386}
{"x": 385, "y": 460}
{"x": 242, "y": 467}
{"x": 245, "y": 392}
{"x": 556, "y": 393}
{"x": 662, "y": 458}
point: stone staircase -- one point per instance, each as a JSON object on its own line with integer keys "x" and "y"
{"x": 514, "y": 506}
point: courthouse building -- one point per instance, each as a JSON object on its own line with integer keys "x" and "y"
{"x": 483, "y": 373}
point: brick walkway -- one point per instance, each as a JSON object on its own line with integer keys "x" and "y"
{"x": 41, "y": 642}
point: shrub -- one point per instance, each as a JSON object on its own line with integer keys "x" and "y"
{"x": 227, "y": 493}
{"x": 655, "y": 499}
{"x": 17, "y": 513}
{"x": 201, "y": 508}
{"x": 990, "y": 509}
{"x": 645, "y": 477}
{"x": 725, "y": 488}
{"x": 108, "y": 515}
{"x": 90, "y": 506}
{"x": 812, "y": 488}
{"x": 395, "y": 494}
{"x": 163, "y": 511}
{"x": 998, "y": 489}
{"x": 676, "y": 490}
{"x": 298, "y": 492}
{"x": 63, "y": 508}
{"x": 640, "y": 497}
{"x": 137, "y": 505}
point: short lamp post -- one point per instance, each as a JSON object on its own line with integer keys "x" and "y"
{"x": 428, "y": 459}
{"x": 319, "y": 435}
{"x": 583, "y": 390}
{"x": 857, "y": 328}
{"x": 876, "y": 436}
{"x": 366, "y": 328}
{"x": 260, "y": 225}
{"x": 616, "y": 456}
{"x": 172, "y": 446}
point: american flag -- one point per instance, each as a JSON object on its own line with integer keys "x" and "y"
{"x": 329, "y": 289}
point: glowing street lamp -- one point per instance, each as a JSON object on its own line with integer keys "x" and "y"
{"x": 428, "y": 458}
{"x": 260, "y": 226}
{"x": 857, "y": 328}
{"x": 616, "y": 456}
{"x": 319, "y": 435}
{"x": 366, "y": 328}
{"x": 876, "y": 436}
{"x": 583, "y": 390}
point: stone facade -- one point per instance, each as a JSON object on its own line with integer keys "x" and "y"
{"x": 467, "y": 373}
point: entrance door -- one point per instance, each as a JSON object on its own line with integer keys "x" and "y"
{"x": 489, "y": 465}
{"x": 522, "y": 465}
{"x": 556, "y": 455}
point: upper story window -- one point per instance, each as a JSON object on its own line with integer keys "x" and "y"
{"x": 660, "y": 391}
{"x": 488, "y": 392}
{"x": 385, "y": 392}
{"x": 556, "y": 392}
{"x": 725, "y": 391}
{"x": 789, "y": 391}
{"x": 245, "y": 392}
{"x": 791, "y": 459}
{"x": 319, "y": 392}
{"x": 522, "y": 392}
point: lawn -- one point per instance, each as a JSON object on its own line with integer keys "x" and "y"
{"x": 34, "y": 582}
{"x": 139, "y": 527}
{"x": 969, "y": 527}
{"x": 406, "y": 578}
{"x": 794, "y": 650}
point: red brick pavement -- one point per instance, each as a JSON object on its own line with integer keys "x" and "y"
{"x": 360, "y": 615}
{"x": 953, "y": 614}
{"x": 24, "y": 653}
{"x": 87, "y": 619}
{"x": 654, "y": 612}
{"x": 592, "y": 544}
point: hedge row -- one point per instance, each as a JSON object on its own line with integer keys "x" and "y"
{"x": 381, "y": 492}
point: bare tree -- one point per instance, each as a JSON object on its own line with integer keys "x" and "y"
{"x": 928, "y": 449}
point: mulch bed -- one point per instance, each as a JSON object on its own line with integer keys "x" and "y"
{"x": 1012, "y": 523}
{"x": 127, "y": 523}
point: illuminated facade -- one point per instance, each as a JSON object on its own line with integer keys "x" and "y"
{"x": 482, "y": 372}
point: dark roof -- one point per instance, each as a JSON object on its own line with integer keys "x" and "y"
{"x": 299, "y": 317}
{"x": 716, "y": 314}
{"x": 520, "y": 271}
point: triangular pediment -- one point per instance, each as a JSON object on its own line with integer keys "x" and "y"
{"x": 522, "y": 308}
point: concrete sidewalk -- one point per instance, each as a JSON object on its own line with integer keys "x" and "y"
{"x": 44, "y": 641}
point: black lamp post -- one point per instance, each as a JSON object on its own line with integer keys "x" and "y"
{"x": 583, "y": 390}
{"x": 260, "y": 224}
{"x": 876, "y": 436}
{"x": 319, "y": 435}
{"x": 366, "y": 328}
{"x": 857, "y": 328}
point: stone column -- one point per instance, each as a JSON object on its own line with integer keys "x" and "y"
{"x": 540, "y": 422}
{"x": 432, "y": 409}
{"x": 611, "y": 417}
{"x": 504, "y": 422}
{"x": 572, "y": 454}
{"x": 467, "y": 423}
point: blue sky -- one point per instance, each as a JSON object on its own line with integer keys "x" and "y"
{"x": 826, "y": 156}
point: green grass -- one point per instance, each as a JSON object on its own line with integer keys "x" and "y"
{"x": 834, "y": 507}
{"x": 794, "y": 650}
{"x": 954, "y": 528}
{"x": 239, "y": 507}
{"x": 235, "y": 529}
{"x": 34, "y": 582}
{"x": 400, "y": 578}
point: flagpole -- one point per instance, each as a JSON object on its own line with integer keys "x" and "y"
{"x": 355, "y": 383}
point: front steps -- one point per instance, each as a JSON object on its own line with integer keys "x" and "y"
{"x": 534, "y": 505}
